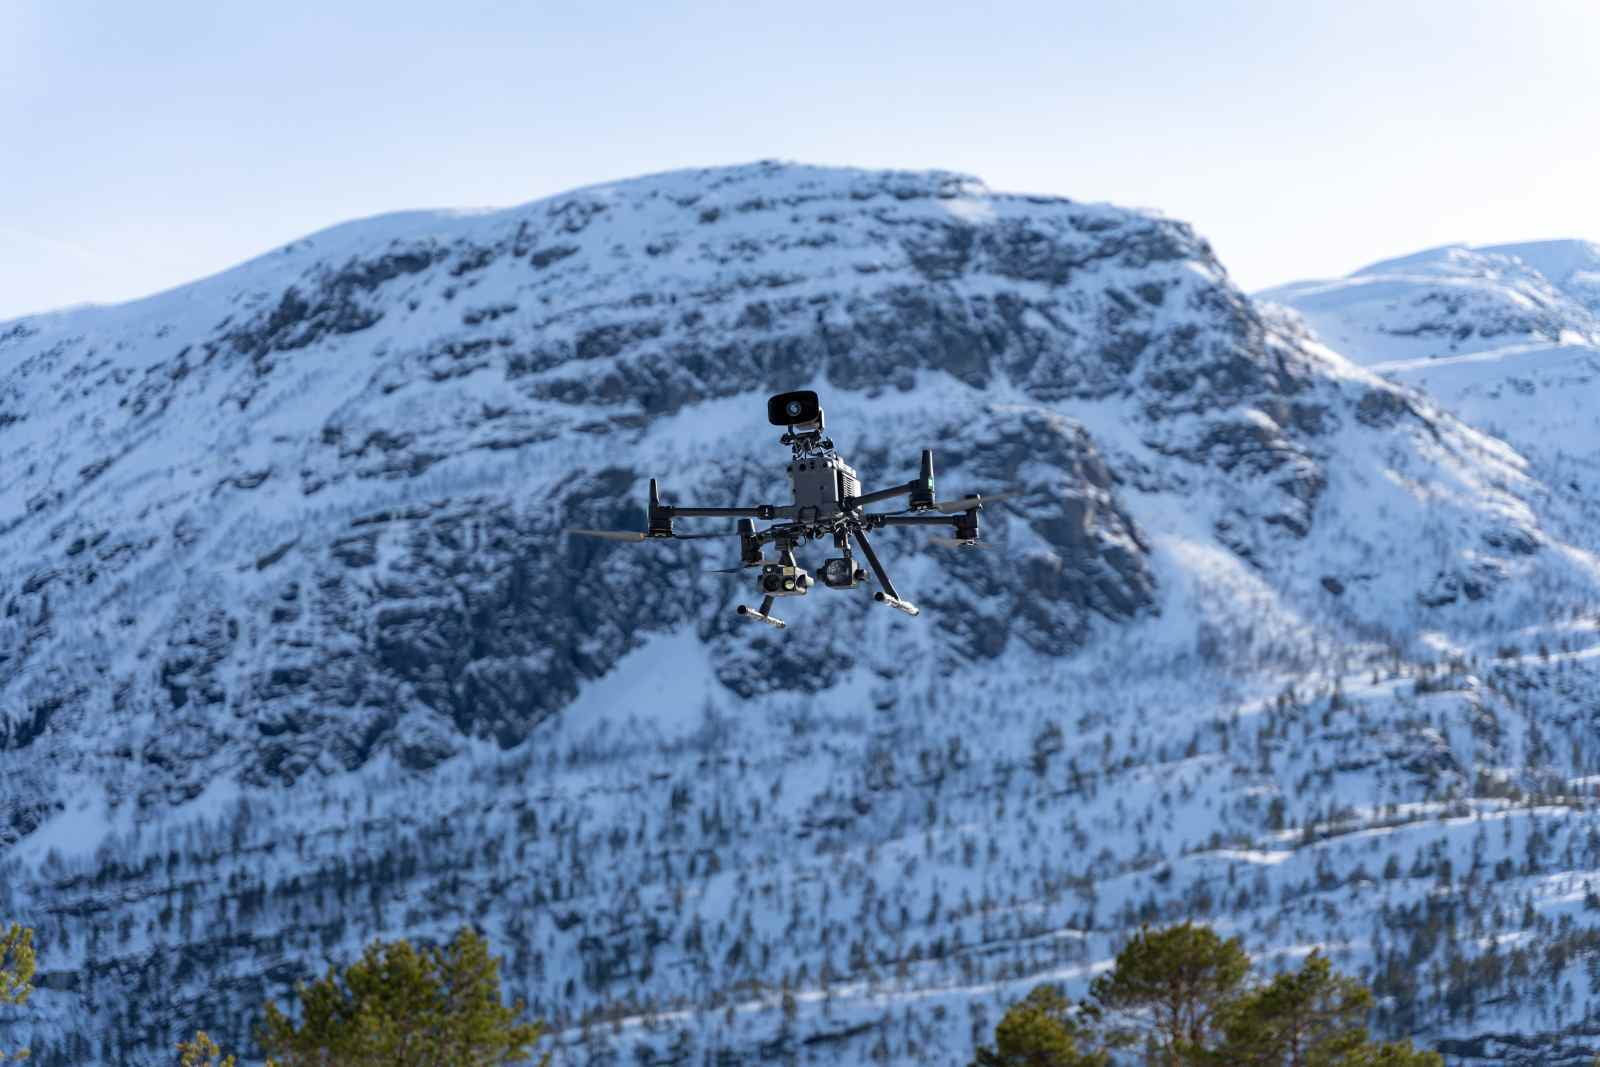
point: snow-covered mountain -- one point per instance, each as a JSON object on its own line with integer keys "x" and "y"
{"x": 293, "y": 655}
{"x": 1456, "y": 301}
{"x": 1506, "y": 337}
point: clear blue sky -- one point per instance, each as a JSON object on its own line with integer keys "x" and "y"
{"x": 146, "y": 144}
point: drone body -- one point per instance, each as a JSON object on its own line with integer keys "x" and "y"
{"x": 828, "y": 504}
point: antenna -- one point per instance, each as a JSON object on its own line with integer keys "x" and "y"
{"x": 922, "y": 488}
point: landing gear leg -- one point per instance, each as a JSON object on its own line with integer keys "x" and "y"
{"x": 886, "y": 595}
{"x": 763, "y": 615}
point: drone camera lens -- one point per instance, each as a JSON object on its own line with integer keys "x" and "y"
{"x": 793, "y": 408}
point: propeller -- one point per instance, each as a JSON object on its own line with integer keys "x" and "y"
{"x": 951, "y": 542}
{"x": 631, "y": 535}
{"x": 609, "y": 535}
{"x": 975, "y": 500}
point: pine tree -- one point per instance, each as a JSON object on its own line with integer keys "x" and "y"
{"x": 1185, "y": 995}
{"x": 16, "y": 972}
{"x": 1392, "y": 1054}
{"x": 1038, "y": 1032}
{"x": 1170, "y": 987}
{"x": 425, "y": 1008}
{"x": 1308, "y": 1018}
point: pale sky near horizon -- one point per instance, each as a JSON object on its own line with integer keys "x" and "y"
{"x": 146, "y": 145}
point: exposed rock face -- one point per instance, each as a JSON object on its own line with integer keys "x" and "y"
{"x": 290, "y": 537}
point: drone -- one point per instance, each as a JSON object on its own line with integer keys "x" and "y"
{"x": 828, "y": 505}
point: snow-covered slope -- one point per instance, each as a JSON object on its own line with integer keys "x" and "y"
{"x": 292, "y": 654}
{"x": 1507, "y": 337}
{"x": 1454, "y": 301}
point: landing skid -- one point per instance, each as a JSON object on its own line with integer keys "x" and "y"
{"x": 762, "y": 615}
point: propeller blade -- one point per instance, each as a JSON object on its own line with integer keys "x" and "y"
{"x": 629, "y": 535}
{"x": 950, "y": 542}
{"x": 608, "y": 535}
{"x": 975, "y": 500}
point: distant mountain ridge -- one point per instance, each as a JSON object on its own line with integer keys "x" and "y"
{"x": 1455, "y": 300}
{"x": 1505, "y": 336}
{"x": 1570, "y": 266}
{"x": 292, "y": 653}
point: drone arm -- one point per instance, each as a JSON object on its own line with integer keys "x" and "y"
{"x": 912, "y": 520}
{"x": 761, "y": 511}
{"x": 882, "y": 494}
{"x": 877, "y": 568}
{"x": 886, "y": 595}
{"x": 919, "y": 489}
